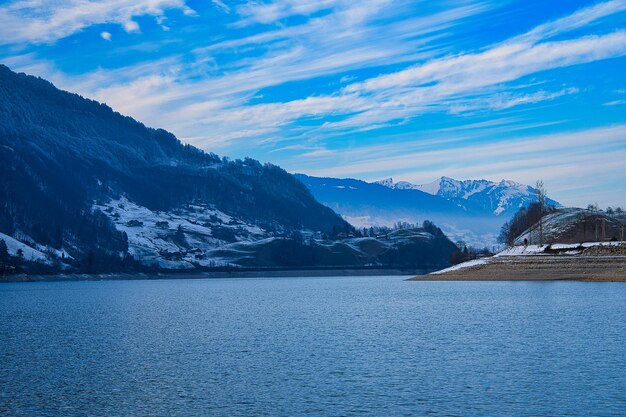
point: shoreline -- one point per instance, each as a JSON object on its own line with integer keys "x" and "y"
{"x": 267, "y": 273}
{"x": 536, "y": 268}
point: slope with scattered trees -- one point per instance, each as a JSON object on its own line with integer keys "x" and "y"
{"x": 61, "y": 152}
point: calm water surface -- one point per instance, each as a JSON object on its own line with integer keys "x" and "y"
{"x": 312, "y": 346}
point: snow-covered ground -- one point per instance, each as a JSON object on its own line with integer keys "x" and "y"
{"x": 553, "y": 224}
{"x": 153, "y": 236}
{"x": 468, "y": 264}
{"x": 34, "y": 252}
{"x": 564, "y": 248}
{"x": 29, "y": 253}
{"x": 522, "y": 250}
{"x": 531, "y": 250}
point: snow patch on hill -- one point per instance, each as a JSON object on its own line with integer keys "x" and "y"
{"x": 464, "y": 265}
{"x": 181, "y": 238}
{"x": 29, "y": 253}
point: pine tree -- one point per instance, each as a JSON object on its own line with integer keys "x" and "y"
{"x": 4, "y": 253}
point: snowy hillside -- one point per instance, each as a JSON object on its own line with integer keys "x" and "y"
{"x": 574, "y": 225}
{"x": 179, "y": 238}
{"x": 200, "y": 236}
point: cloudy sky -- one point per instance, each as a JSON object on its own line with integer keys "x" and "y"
{"x": 366, "y": 89}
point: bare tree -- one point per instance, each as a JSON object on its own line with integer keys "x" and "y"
{"x": 540, "y": 192}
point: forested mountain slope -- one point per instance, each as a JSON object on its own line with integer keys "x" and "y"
{"x": 64, "y": 157}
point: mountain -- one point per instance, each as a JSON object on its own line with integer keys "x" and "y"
{"x": 366, "y": 204}
{"x": 501, "y": 199}
{"x": 472, "y": 210}
{"x": 68, "y": 161}
{"x": 83, "y": 188}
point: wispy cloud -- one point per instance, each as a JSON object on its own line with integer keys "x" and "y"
{"x": 307, "y": 80}
{"x": 40, "y": 21}
{"x": 576, "y": 20}
{"x": 615, "y": 102}
{"x": 506, "y": 100}
{"x": 170, "y": 93}
{"x": 457, "y": 83}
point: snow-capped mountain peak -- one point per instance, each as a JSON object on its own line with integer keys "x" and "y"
{"x": 510, "y": 184}
{"x": 505, "y": 196}
{"x": 387, "y": 182}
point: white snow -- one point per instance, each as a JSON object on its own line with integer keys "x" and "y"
{"x": 574, "y": 248}
{"x": 150, "y": 243}
{"x": 503, "y": 195}
{"x": 468, "y": 264}
{"x": 404, "y": 185}
{"x": 387, "y": 182}
{"x": 476, "y": 187}
{"x": 30, "y": 253}
{"x": 522, "y": 250}
{"x": 431, "y": 188}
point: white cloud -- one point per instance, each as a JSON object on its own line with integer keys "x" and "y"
{"x": 213, "y": 106}
{"x": 473, "y": 81}
{"x": 221, "y": 5}
{"x": 172, "y": 95}
{"x": 105, "y": 35}
{"x": 268, "y": 13}
{"x": 131, "y": 26}
{"x": 499, "y": 64}
{"x": 576, "y": 20}
{"x": 43, "y": 21}
{"x": 506, "y": 100}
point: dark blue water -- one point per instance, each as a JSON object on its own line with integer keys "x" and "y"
{"x": 312, "y": 346}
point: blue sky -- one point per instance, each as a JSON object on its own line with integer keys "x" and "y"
{"x": 365, "y": 89}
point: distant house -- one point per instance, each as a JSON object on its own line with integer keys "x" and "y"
{"x": 134, "y": 223}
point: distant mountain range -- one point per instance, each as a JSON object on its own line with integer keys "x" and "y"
{"x": 83, "y": 188}
{"x": 470, "y": 210}
{"x": 501, "y": 199}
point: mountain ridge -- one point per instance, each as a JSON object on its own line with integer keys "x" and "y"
{"x": 62, "y": 155}
{"x": 509, "y": 195}
{"x": 84, "y": 188}
{"x": 472, "y": 212}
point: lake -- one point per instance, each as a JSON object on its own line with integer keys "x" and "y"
{"x": 312, "y": 346}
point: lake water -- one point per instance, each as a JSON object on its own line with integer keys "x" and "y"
{"x": 312, "y": 346}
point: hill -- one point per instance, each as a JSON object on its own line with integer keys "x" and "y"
{"x": 575, "y": 225}
{"x": 83, "y": 188}
{"x": 64, "y": 156}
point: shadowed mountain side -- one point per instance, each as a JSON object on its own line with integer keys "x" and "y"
{"x": 61, "y": 152}
{"x": 86, "y": 189}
